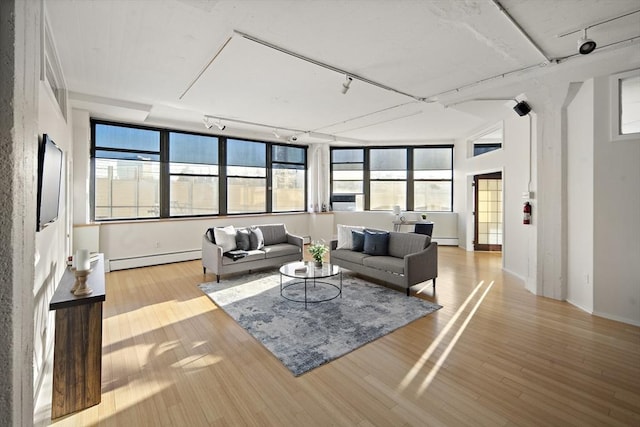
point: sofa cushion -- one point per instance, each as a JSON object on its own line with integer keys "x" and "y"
{"x": 273, "y": 233}
{"x": 385, "y": 263}
{"x": 345, "y": 240}
{"x": 401, "y": 244}
{"x": 256, "y": 239}
{"x": 243, "y": 239}
{"x": 376, "y": 243}
{"x": 357, "y": 238}
{"x": 225, "y": 237}
{"x": 280, "y": 249}
{"x": 251, "y": 256}
{"x": 347, "y": 255}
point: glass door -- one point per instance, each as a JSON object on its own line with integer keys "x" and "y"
{"x": 488, "y": 214}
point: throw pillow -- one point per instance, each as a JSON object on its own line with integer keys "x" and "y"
{"x": 256, "y": 238}
{"x": 210, "y": 235}
{"x": 344, "y": 236}
{"x": 357, "y": 237}
{"x": 376, "y": 243}
{"x": 243, "y": 239}
{"x": 225, "y": 237}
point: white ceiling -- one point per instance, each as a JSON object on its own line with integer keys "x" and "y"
{"x": 173, "y": 61}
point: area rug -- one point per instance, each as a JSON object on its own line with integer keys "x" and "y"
{"x": 303, "y": 339}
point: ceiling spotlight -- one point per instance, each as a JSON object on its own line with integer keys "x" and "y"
{"x": 346, "y": 84}
{"x": 276, "y": 134}
{"x": 220, "y": 125}
{"x": 207, "y": 122}
{"x": 585, "y": 44}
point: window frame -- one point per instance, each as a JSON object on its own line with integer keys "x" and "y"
{"x": 473, "y": 141}
{"x": 365, "y": 174}
{"x": 167, "y": 187}
{"x": 616, "y": 110}
{"x": 272, "y": 162}
{"x": 165, "y": 174}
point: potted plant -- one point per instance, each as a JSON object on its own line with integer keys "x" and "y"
{"x": 424, "y": 216}
{"x": 317, "y": 251}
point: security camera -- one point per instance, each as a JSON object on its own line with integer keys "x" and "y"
{"x": 293, "y": 138}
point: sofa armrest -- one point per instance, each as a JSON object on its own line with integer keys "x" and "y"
{"x": 423, "y": 265}
{"x": 296, "y": 240}
{"x": 211, "y": 255}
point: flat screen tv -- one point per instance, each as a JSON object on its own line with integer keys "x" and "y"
{"x": 49, "y": 180}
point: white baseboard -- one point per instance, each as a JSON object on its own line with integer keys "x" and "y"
{"x": 617, "y": 318}
{"x": 145, "y": 261}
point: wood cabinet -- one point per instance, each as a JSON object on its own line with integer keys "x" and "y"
{"x": 77, "y": 353}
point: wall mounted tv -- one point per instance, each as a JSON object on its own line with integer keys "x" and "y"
{"x": 49, "y": 182}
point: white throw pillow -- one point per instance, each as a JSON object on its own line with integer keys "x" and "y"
{"x": 225, "y": 237}
{"x": 345, "y": 241}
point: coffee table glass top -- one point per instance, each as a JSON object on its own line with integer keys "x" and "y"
{"x": 307, "y": 270}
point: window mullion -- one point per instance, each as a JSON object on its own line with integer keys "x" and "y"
{"x": 165, "y": 180}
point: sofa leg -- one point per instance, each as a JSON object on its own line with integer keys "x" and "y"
{"x": 218, "y": 278}
{"x": 204, "y": 270}
{"x": 434, "y": 284}
{"x": 408, "y": 292}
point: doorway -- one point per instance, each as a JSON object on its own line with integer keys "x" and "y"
{"x": 488, "y": 212}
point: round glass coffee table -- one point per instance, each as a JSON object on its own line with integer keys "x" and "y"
{"x": 310, "y": 277}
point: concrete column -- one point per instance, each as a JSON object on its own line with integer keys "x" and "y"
{"x": 20, "y": 24}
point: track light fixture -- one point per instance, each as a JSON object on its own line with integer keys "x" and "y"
{"x": 346, "y": 84}
{"x": 208, "y": 123}
{"x": 585, "y": 44}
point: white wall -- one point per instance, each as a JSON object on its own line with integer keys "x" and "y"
{"x": 580, "y": 131}
{"x": 513, "y": 160}
{"x": 616, "y": 211}
{"x": 53, "y": 243}
{"x": 128, "y": 244}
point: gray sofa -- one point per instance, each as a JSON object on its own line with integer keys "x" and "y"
{"x": 411, "y": 259}
{"x": 280, "y": 247}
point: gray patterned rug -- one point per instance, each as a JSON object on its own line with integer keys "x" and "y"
{"x": 305, "y": 339}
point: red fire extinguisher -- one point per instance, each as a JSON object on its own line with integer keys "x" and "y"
{"x": 527, "y": 213}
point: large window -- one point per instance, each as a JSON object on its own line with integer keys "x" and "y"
{"x": 388, "y": 173}
{"x": 127, "y": 172}
{"x": 347, "y": 175}
{"x": 246, "y": 176}
{"x": 415, "y": 178}
{"x": 193, "y": 170}
{"x": 288, "y": 178}
{"x": 143, "y": 173}
{"x": 433, "y": 179}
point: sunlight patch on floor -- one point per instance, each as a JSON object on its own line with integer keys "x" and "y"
{"x": 456, "y": 337}
{"x": 417, "y": 367}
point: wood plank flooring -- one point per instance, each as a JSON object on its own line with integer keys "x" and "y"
{"x": 495, "y": 355}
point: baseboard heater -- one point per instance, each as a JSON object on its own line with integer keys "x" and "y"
{"x": 446, "y": 241}
{"x": 147, "y": 260}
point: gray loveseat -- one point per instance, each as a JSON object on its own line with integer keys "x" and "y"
{"x": 279, "y": 247}
{"x": 411, "y": 259}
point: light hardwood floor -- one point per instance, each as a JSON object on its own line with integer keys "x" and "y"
{"x": 494, "y": 355}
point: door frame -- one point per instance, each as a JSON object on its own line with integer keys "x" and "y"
{"x": 476, "y": 246}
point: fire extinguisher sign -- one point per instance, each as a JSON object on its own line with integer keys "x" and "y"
{"x": 526, "y": 219}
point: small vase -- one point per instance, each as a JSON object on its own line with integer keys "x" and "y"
{"x": 317, "y": 264}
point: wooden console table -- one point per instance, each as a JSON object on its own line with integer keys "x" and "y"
{"x": 77, "y": 352}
